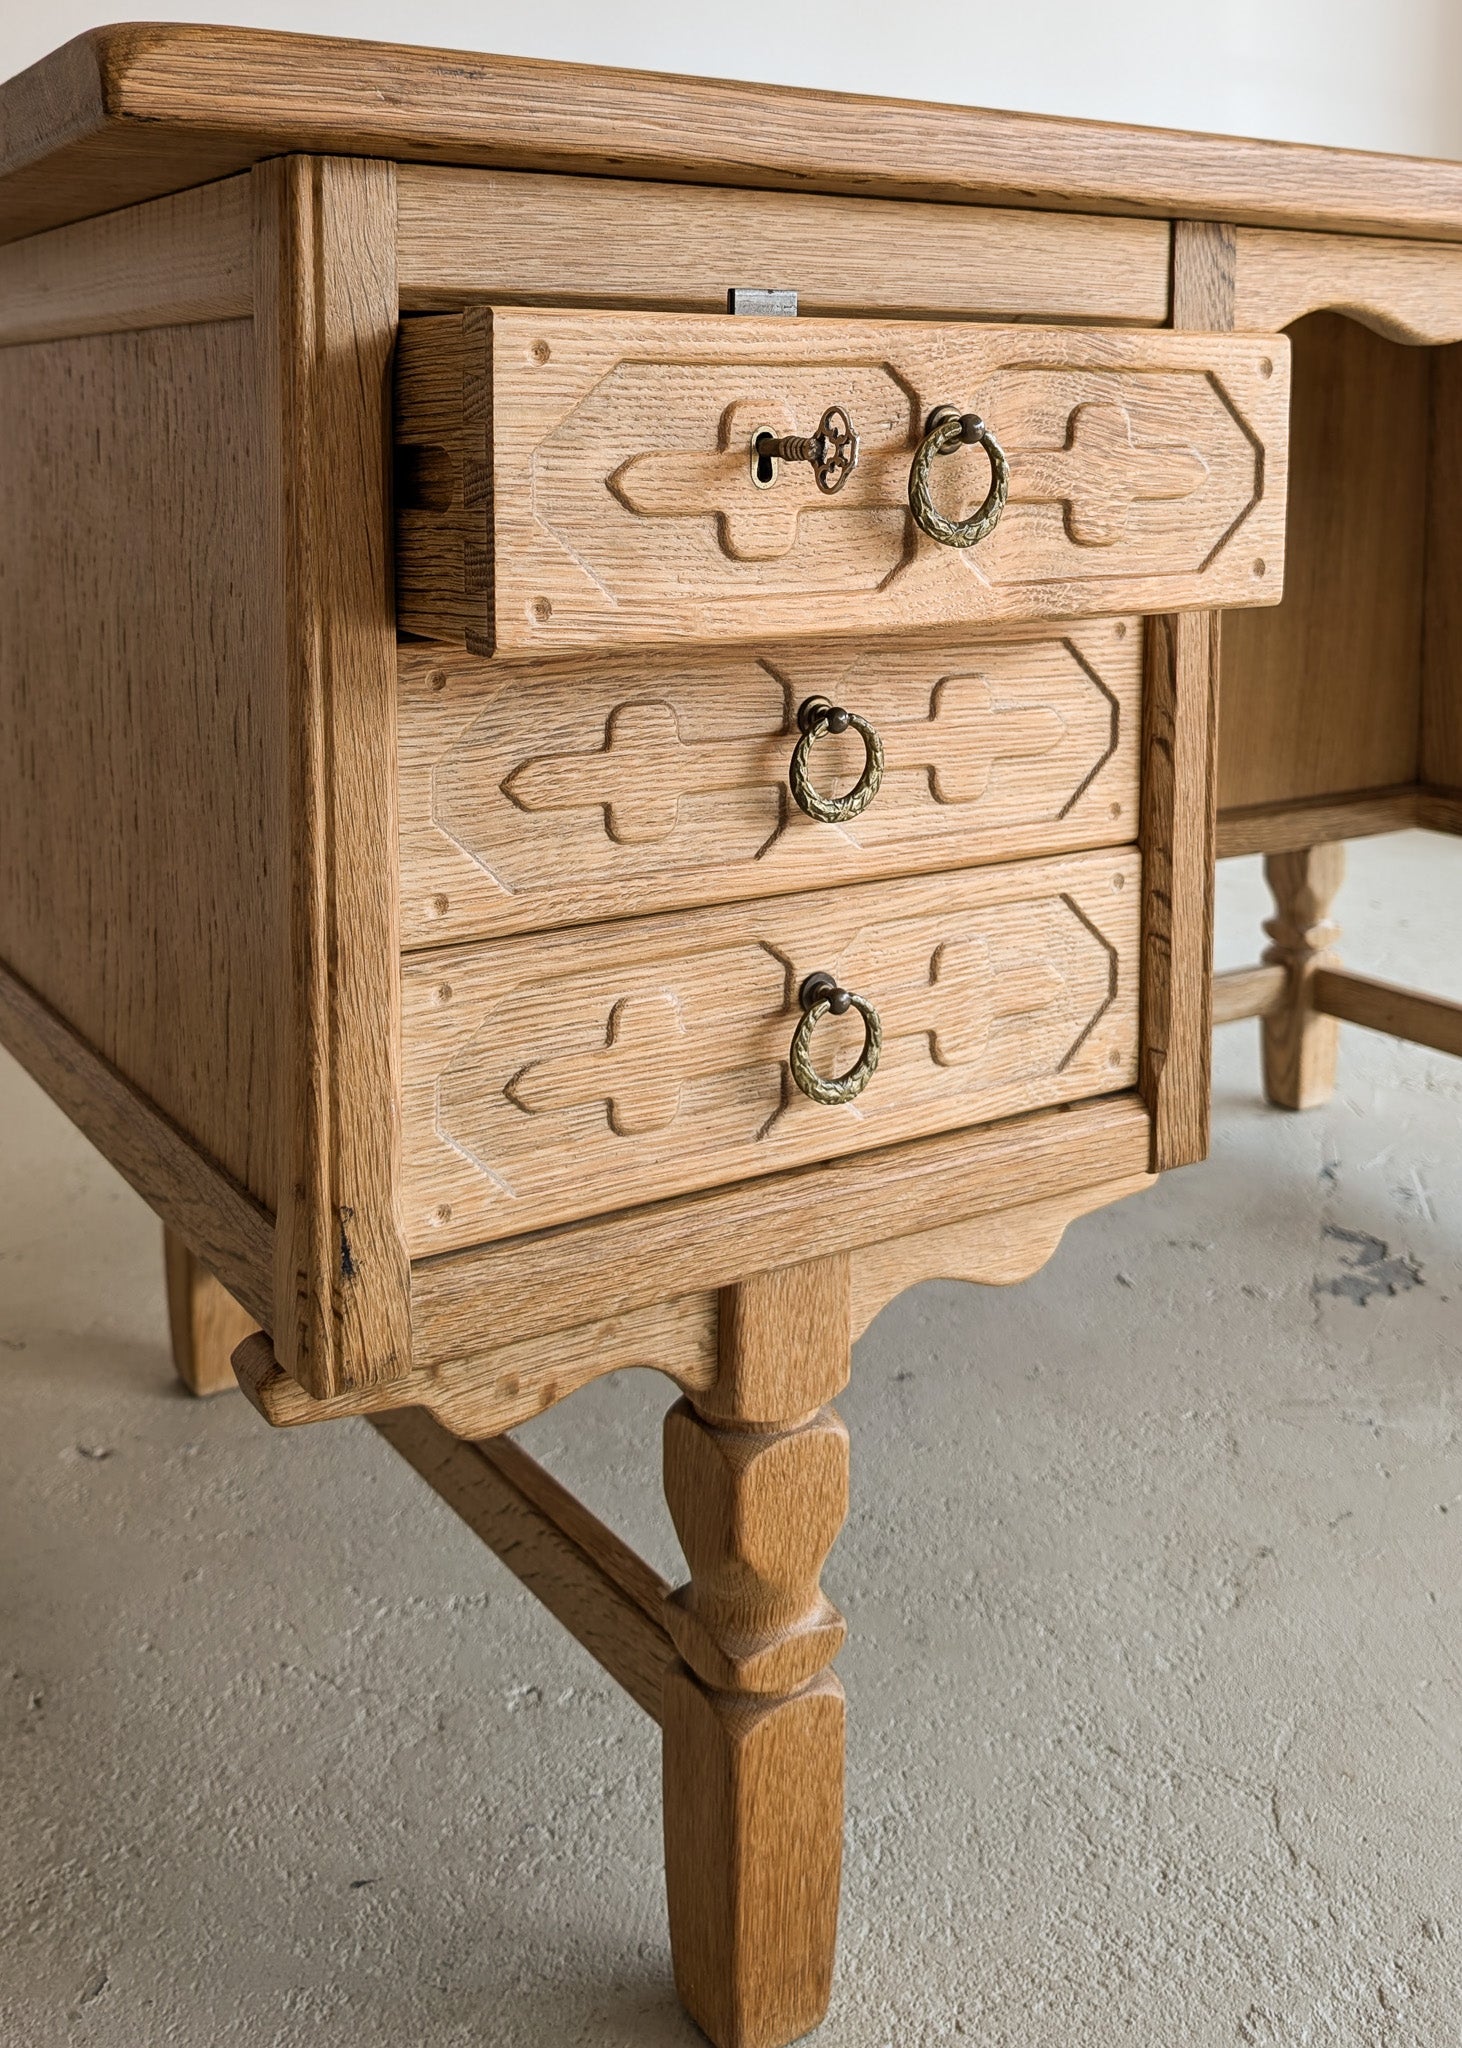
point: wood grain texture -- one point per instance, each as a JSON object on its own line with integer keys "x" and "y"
{"x": 757, "y": 1485}
{"x": 1248, "y": 992}
{"x": 990, "y": 1251}
{"x": 1382, "y": 1006}
{"x": 523, "y": 1288}
{"x": 481, "y": 1392}
{"x": 1314, "y": 821}
{"x": 1204, "y": 259}
{"x": 573, "y": 479}
{"x": 1321, "y": 696}
{"x": 485, "y": 1392}
{"x": 753, "y": 1791}
{"x": 783, "y": 1346}
{"x": 516, "y": 236}
{"x": 124, "y": 113}
{"x": 1180, "y": 712}
{"x": 205, "y": 1323}
{"x": 534, "y": 795}
{"x": 564, "y": 1075}
{"x": 1180, "y": 725}
{"x": 229, "y": 1230}
{"x": 591, "y": 1582}
{"x": 142, "y": 727}
{"x": 1441, "y": 680}
{"x": 1440, "y": 810}
{"x": 325, "y": 237}
{"x": 1405, "y": 291}
{"x": 1301, "y": 1045}
{"x": 756, "y": 1511}
{"x": 172, "y": 262}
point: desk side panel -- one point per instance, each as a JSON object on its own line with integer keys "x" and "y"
{"x": 141, "y": 744}
{"x": 1321, "y": 695}
{"x": 1441, "y": 705}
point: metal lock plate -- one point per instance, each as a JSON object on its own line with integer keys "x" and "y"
{"x": 765, "y": 305}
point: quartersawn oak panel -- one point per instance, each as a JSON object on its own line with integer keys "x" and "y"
{"x": 573, "y": 479}
{"x": 1322, "y": 695}
{"x": 326, "y": 290}
{"x": 1407, "y": 291}
{"x": 524, "y": 236}
{"x": 126, "y": 112}
{"x": 582, "y": 1071}
{"x": 135, "y": 585}
{"x": 535, "y": 795}
{"x": 615, "y": 1265}
{"x": 1441, "y": 687}
{"x": 230, "y": 1231}
{"x": 169, "y": 263}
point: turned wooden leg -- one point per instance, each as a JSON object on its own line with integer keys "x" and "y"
{"x": 207, "y": 1324}
{"x": 1300, "y": 1045}
{"x": 756, "y": 1474}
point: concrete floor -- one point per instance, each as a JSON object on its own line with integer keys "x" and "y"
{"x": 1155, "y": 1670}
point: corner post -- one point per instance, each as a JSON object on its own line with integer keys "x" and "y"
{"x": 326, "y": 313}
{"x": 1180, "y": 788}
{"x": 756, "y": 1475}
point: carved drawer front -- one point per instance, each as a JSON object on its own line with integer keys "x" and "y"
{"x": 545, "y": 794}
{"x": 568, "y": 479}
{"x": 559, "y": 1076}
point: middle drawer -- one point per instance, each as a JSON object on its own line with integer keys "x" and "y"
{"x": 554, "y": 1077}
{"x": 545, "y": 794}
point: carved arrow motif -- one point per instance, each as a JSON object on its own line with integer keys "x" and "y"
{"x": 688, "y": 483}
{"x": 637, "y": 778}
{"x": 972, "y": 996}
{"x": 644, "y": 769}
{"x": 969, "y": 734}
{"x": 636, "y": 1072}
{"x": 1101, "y": 473}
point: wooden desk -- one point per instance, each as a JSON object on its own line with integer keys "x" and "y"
{"x": 415, "y": 585}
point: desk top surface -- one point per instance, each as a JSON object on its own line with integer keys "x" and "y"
{"x": 130, "y": 112}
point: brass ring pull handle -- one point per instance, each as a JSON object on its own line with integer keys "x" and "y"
{"x": 945, "y": 431}
{"x": 817, "y": 717}
{"x": 821, "y": 997}
{"x": 832, "y": 451}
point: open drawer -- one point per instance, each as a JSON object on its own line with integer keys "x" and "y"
{"x": 575, "y": 479}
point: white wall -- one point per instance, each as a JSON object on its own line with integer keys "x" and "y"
{"x": 1374, "y": 74}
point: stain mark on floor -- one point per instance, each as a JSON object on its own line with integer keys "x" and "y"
{"x": 1370, "y": 1268}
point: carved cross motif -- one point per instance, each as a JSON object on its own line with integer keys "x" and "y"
{"x": 637, "y": 777}
{"x": 644, "y": 769}
{"x": 1101, "y": 473}
{"x": 972, "y": 995}
{"x": 636, "y": 1073}
{"x": 971, "y": 733}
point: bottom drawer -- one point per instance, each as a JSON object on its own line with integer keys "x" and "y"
{"x": 561, "y": 1075}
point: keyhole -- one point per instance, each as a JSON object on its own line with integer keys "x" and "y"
{"x": 763, "y": 462}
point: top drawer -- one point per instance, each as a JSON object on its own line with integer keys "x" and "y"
{"x": 573, "y": 479}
